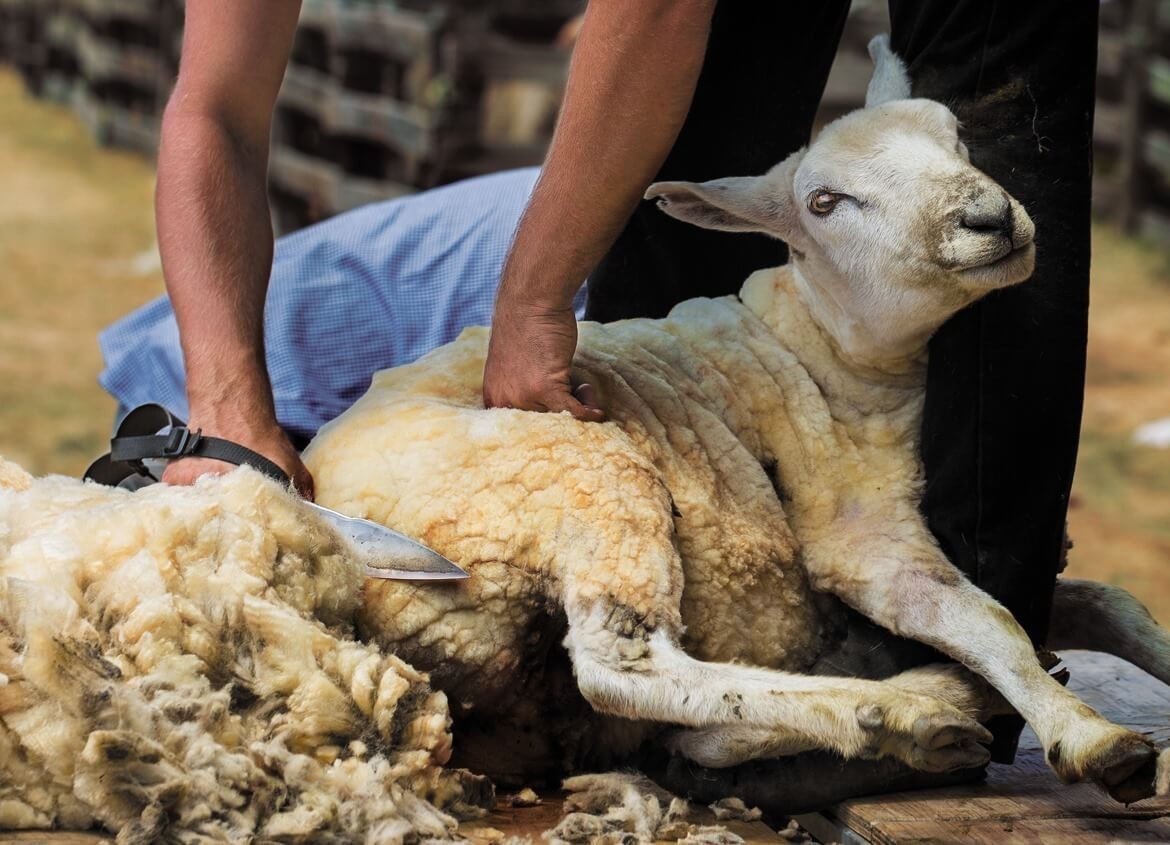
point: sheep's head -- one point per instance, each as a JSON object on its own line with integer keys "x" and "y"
{"x": 890, "y": 226}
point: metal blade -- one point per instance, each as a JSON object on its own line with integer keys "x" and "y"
{"x": 388, "y": 554}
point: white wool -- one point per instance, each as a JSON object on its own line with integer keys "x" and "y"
{"x": 179, "y": 665}
{"x": 733, "y": 809}
{"x": 628, "y": 808}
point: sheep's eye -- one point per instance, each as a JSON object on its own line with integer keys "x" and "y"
{"x": 822, "y": 202}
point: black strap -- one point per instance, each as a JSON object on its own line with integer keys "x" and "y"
{"x": 138, "y": 438}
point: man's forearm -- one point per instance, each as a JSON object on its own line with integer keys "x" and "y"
{"x": 216, "y": 243}
{"x": 632, "y": 77}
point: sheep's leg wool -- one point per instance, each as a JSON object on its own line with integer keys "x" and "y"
{"x": 177, "y": 664}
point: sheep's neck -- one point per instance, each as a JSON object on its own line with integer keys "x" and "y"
{"x": 875, "y": 412}
{"x": 781, "y": 299}
{"x": 891, "y": 357}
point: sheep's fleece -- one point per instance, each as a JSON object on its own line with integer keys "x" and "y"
{"x": 184, "y": 671}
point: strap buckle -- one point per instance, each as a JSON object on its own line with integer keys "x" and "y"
{"x": 181, "y": 441}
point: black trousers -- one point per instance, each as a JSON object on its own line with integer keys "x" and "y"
{"x": 1006, "y": 376}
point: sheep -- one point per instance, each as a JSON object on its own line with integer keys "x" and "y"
{"x": 759, "y": 471}
{"x": 177, "y": 665}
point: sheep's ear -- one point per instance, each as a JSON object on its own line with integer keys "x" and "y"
{"x": 737, "y": 203}
{"x": 890, "y": 81}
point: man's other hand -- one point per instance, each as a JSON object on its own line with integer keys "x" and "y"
{"x": 267, "y": 438}
{"x": 529, "y": 361}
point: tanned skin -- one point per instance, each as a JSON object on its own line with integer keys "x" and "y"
{"x": 214, "y": 227}
{"x": 630, "y": 84}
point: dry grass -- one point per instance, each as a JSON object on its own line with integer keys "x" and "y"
{"x": 1120, "y": 516}
{"x": 76, "y": 220}
{"x": 72, "y": 221}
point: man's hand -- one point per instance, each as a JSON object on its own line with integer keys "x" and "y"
{"x": 262, "y": 436}
{"x": 630, "y": 84}
{"x": 214, "y": 226}
{"x": 529, "y": 359}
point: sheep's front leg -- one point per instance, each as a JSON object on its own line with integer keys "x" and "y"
{"x": 906, "y": 584}
{"x": 628, "y": 668}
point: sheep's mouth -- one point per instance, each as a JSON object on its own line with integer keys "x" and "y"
{"x": 1013, "y": 266}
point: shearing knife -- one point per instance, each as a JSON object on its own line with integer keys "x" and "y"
{"x": 387, "y": 554}
{"x": 150, "y": 435}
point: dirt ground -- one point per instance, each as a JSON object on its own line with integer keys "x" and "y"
{"x": 77, "y": 251}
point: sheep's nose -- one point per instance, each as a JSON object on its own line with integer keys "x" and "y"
{"x": 989, "y": 214}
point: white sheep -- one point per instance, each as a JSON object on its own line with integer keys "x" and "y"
{"x": 760, "y": 448}
{"x": 178, "y": 665}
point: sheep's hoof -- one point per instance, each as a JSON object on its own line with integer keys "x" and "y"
{"x": 942, "y": 740}
{"x": 947, "y": 742}
{"x": 1124, "y": 763}
{"x": 1128, "y": 771}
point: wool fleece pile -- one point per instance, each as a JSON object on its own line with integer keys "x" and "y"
{"x": 184, "y": 670}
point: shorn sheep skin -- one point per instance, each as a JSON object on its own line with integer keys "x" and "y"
{"x": 759, "y": 469}
{"x": 178, "y": 665}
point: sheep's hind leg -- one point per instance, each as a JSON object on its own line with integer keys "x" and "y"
{"x": 633, "y": 671}
{"x": 1098, "y": 617}
{"x": 730, "y": 745}
{"x": 917, "y": 593}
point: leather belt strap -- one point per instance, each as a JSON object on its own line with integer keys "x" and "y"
{"x": 151, "y": 431}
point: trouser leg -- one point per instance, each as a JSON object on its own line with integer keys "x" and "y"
{"x": 758, "y": 92}
{"x": 1006, "y": 377}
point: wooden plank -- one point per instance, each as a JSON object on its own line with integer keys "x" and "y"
{"x": 1158, "y": 69}
{"x": 531, "y": 822}
{"x": 407, "y": 128}
{"x": 1156, "y": 153}
{"x": 324, "y": 186}
{"x": 138, "y": 11}
{"x": 1105, "y": 195}
{"x": 117, "y": 127}
{"x": 1110, "y": 54}
{"x": 498, "y": 58}
{"x": 1108, "y": 124}
{"x": 403, "y": 34}
{"x": 1136, "y": 81}
{"x": 1025, "y": 832}
{"x": 1155, "y": 226}
{"x": 1024, "y": 802}
{"x": 100, "y": 60}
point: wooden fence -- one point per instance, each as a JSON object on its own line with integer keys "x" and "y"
{"x": 384, "y": 98}
{"x": 1131, "y": 133}
{"x": 379, "y": 99}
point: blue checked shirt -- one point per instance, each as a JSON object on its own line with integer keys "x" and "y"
{"x": 369, "y": 289}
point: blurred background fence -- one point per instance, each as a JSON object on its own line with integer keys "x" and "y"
{"x": 385, "y": 98}
{"x": 380, "y": 99}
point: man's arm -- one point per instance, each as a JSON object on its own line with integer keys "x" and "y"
{"x": 630, "y": 85}
{"x": 214, "y": 229}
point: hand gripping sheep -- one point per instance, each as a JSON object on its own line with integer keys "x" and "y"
{"x": 760, "y": 469}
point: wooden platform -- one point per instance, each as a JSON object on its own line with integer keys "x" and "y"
{"x": 531, "y": 822}
{"x": 1024, "y": 803}
{"x": 520, "y": 822}
{"x": 1021, "y": 804}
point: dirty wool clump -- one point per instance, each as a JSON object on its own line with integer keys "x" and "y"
{"x": 177, "y": 665}
{"x": 620, "y": 808}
